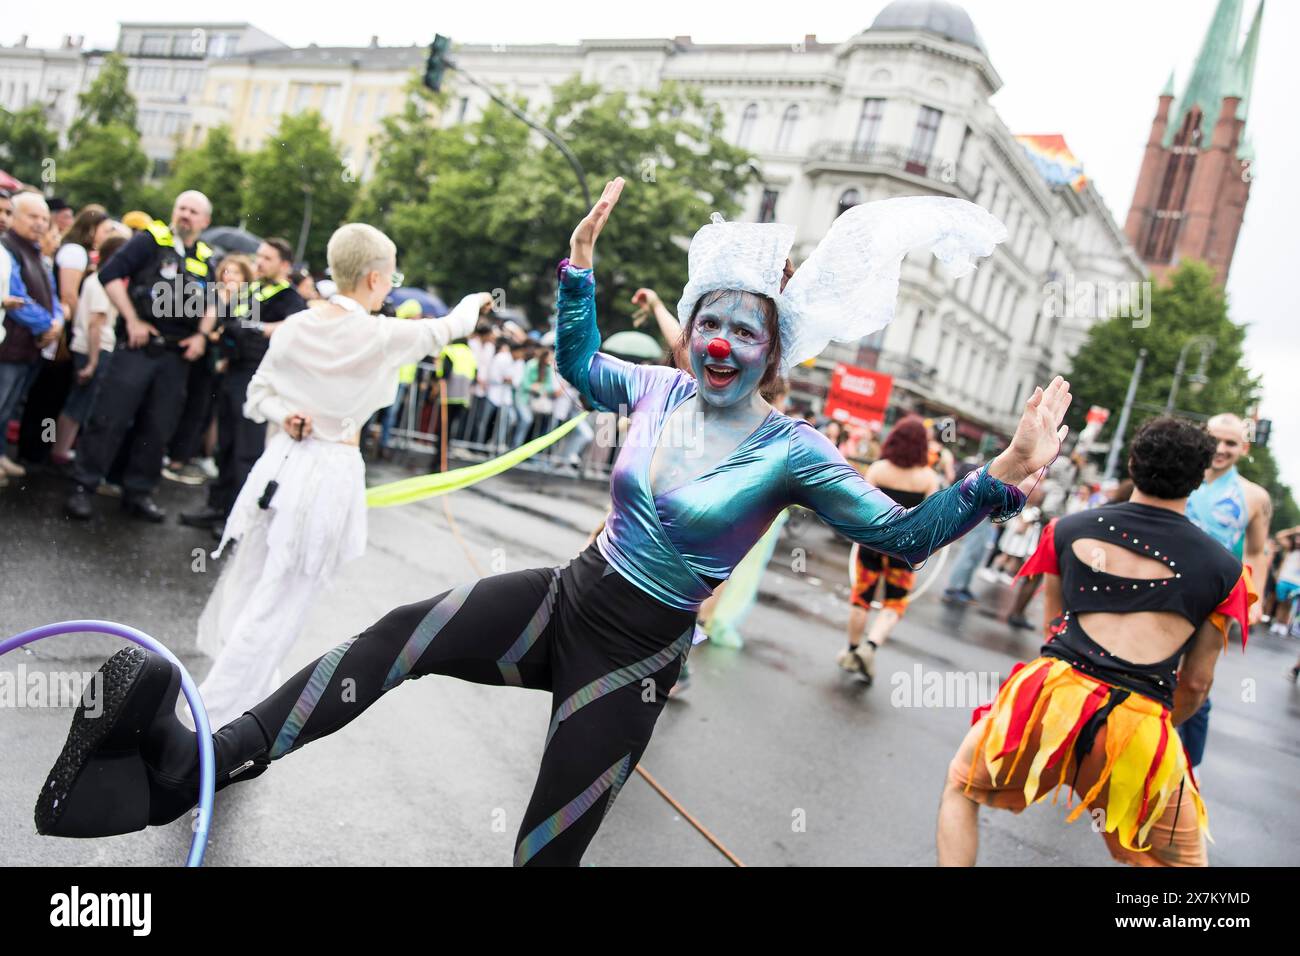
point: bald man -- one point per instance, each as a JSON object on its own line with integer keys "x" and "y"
{"x": 159, "y": 283}
{"x": 1236, "y": 513}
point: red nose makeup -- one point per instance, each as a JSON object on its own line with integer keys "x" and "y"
{"x": 719, "y": 348}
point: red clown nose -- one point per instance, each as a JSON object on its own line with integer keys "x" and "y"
{"x": 719, "y": 348}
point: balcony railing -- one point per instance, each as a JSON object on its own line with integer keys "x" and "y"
{"x": 906, "y": 368}
{"x": 883, "y": 157}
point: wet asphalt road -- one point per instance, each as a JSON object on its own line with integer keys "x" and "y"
{"x": 785, "y": 759}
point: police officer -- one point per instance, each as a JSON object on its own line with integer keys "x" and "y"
{"x": 158, "y": 282}
{"x": 247, "y": 330}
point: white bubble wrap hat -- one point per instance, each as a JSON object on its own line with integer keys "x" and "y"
{"x": 848, "y": 286}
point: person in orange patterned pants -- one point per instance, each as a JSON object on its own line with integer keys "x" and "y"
{"x": 1139, "y": 602}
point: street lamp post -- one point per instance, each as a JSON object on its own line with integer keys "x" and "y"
{"x": 439, "y": 62}
{"x": 306, "y": 223}
{"x": 1206, "y": 344}
{"x": 1117, "y": 440}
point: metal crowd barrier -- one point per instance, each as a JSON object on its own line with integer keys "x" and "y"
{"x": 480, "y": 435}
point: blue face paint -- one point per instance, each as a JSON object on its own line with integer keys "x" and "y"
{"x": 742, "y": 326}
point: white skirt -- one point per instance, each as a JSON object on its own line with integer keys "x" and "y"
{"x": 316, "y": 523}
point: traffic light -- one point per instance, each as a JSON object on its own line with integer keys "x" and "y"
{"x": 437, "y": 63}
{"x": 1262, "y": 427}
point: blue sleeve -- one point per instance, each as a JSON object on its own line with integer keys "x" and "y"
{"x": 604, "y": 381}
{"x": 820, "y": 479}
{"x": 31, "y": 314}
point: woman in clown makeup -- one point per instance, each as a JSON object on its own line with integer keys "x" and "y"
{"x": 707, "y": 465}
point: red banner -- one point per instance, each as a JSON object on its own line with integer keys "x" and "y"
{"x": 858, "y": 396}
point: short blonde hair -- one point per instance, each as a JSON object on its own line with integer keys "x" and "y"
{"x": 354, "y": 251}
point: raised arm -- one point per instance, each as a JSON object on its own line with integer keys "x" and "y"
{"x": 409, "y": 340}
{"x": 604, "y": 381}
{"x": 820, "y": 479}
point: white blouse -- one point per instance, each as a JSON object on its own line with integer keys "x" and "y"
{"x": 341, "y": 371}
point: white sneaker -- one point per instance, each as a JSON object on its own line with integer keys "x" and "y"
{"x": 866, "y": 655}
{"x": 988, "y": 574}
{"x": 847, "y": 662}
{"x": 209, "y": 468}
{"x": 12, "y": 468}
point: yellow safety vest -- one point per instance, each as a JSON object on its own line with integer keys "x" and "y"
{"x": 196, "y": 264}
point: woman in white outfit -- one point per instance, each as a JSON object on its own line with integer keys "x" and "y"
{"x": 328, "y": 369}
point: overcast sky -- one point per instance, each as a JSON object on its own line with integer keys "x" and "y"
{"x": 1090, "y": 71}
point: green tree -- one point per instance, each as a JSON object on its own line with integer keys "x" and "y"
{"x": 299, "y": 163}
{"x": 104, "y": 162}
{"x": 107, "y": 100}
{"x": 1190, "y": 304}
{"x": 107, "y": 166}
{"x": 490, "y": 204}
{"x": 215, "y": 169}
{"x": 28, "y": 144}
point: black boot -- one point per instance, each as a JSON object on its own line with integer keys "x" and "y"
{"x": 131, "y": 763}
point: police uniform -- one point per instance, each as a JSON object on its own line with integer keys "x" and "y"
{"x": 167, "y": 285}
{"x": 240, "y": 441}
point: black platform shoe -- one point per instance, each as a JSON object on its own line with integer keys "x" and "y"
{"x": 134, "y": 764}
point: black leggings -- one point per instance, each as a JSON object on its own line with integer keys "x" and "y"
{"x": 607, "y": 651}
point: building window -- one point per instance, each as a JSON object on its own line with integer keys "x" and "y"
{"x": 785, "y": 134}
{"x": 359, "y": 107}
{"x": 961, "y": 152}
{"x": 873, "y": 113}
{"x": 767, "y": 208}
{"x": 300, "y": 94}
{"x": 849, "y": 199}
{"x": 328, "y": 100}
{"x": 915, "y": 338}
{"x": 927, "y": 129}
{"x": 747, "y": 121}
{"x": 463, "y": 109}
{"x": 256, "y": 102}
{"x": 155, "y": 44}
{"x": 381, "y": 104}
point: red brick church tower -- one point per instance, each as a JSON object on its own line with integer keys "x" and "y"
{"x": 1195, "y": 178}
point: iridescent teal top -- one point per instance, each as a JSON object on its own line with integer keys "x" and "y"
{"x": 668, "y": 545}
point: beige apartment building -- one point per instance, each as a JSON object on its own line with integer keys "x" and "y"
{"x": 352, "y": 88}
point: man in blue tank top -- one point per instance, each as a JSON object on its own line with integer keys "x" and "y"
{"x": 1236, "y": 513}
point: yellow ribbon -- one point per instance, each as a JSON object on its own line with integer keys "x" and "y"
{"x": 427, "y": 486}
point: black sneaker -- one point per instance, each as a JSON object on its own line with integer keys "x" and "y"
{"x": 133, "y": 764}
{"x": 143, "y": 507}
{"x": 78, "y": 504}
{"x": 99, "y": 786}
{"x": 204, "y": 518}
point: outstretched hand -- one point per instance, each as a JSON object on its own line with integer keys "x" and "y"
{"x": 582, "y": 244}
{"x": 1039, "y": 435}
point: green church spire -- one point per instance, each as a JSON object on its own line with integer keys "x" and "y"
{"x": 1246, "y": 63}
{"x": 1214, "y": 68}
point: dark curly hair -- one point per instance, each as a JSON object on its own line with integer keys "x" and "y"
{"x": 1167, "y": 457}
{"x": 908, "y": 444}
